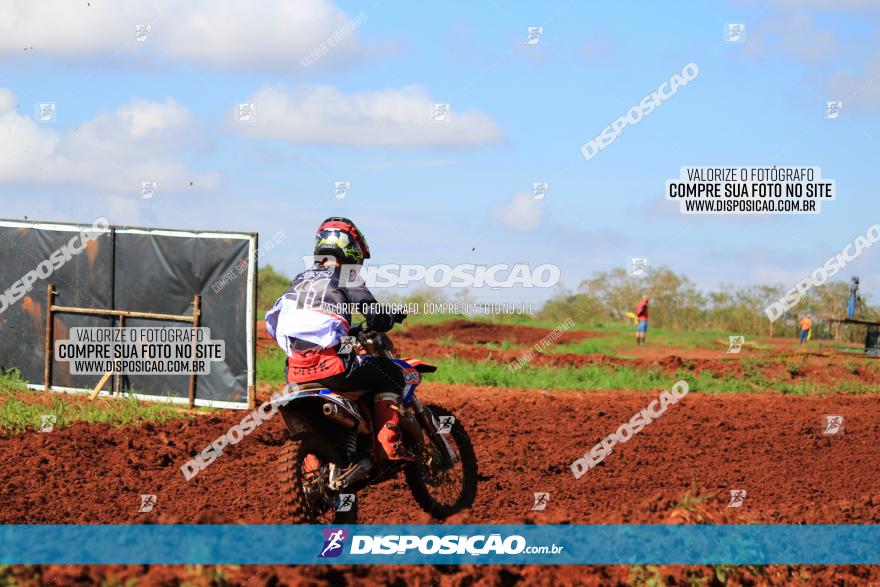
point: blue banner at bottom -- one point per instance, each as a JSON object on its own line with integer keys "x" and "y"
{"x": 441, "y": 544}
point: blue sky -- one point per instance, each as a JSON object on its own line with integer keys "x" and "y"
{"x": 457, "y": 192}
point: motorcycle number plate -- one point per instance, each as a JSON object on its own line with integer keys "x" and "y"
{"x": 411, "y": 376}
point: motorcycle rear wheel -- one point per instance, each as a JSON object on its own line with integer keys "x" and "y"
{"x": 303, "y": 480}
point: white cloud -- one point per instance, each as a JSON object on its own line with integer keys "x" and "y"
{"x": 866, "y": 5}
{"x": 397, "y": 117}
{"x": 834, "y": 4}
{"x": 521, "y": 212}
{"x": 258, "y": 34}
{"x": 139, "y": 141}
{"x": 859, "y": 92}
{"x": 796, "y": 35}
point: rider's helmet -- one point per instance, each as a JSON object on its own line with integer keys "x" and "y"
{"x": 340, "y": 238}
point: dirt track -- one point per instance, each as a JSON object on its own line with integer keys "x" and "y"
{"x": 769, "y": 445}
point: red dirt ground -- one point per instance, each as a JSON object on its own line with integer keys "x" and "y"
{"x": 470, "y": 332}
{"x": 769, "y": 445}
{"x": 466, "y": 340}
{"x": 810, "y": 367}
{"x": 704, "y": 446}
{"x": 464, "y": 331}
{"x": 376, "y": 576}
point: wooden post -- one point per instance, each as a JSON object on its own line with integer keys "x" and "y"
{"x": 48, "y": 344}
{"x": 51, "y": 309}
{"x": 117, "y": 377}
{"x": 196, "y": 320}
{"x": 97, "y": 390}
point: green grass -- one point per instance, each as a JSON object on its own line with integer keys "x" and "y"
{"x": 18, "y": 415}
{"x": 754, "y": 381}
{"x": 615, "y": 337}
{"x": 11, "y": 380}
{"x": 507, "y": 319}
{"x": 270, "y": 365}
{"x": 490, "y": 373}
{"x": 270, "y": 368}
{"x": 600, "y": 377}
{"x": 612, "y": 340}
{"x": 504, "y": 345}
{"x": 429, "y": 319}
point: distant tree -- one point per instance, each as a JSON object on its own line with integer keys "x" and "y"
{"x": 582, "y": 308}
{"x": 676, "y": 303}
{"x": 270, "y": 285}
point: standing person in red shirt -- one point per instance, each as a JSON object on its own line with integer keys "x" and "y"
{"x": 642, "y": 317}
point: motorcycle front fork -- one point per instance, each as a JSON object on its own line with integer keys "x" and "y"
{"x": 430, "y": 425}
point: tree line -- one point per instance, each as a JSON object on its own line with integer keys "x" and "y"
{"x": 677, "y": 303}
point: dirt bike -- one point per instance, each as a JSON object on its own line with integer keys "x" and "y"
{"x": 331, "y": 452}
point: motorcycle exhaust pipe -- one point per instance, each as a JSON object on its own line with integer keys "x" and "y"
{"x": 332, "y": 412}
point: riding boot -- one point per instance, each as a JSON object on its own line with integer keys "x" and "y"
{"x": 387, "y": 419}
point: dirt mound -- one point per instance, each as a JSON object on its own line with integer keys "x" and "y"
{"x": 462, "y": 331}
{"x": 468, "y": 332}
{"x": 264, "y": 339}
{"x": 819, "y": 370}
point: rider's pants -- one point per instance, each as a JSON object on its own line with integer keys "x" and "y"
{"x": 384, "y": 377}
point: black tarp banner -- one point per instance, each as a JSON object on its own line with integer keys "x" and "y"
{"x": 134, "y": 269}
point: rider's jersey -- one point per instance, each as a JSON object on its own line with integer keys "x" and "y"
{"x": 309, "y": 320}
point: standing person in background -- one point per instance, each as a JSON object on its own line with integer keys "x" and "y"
{"x": 853, "y": 297}
{"x": 642, "y": 317}
{"x": 806, "y": 326}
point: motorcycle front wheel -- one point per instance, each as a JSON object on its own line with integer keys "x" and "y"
{"x": 440, "y": 490}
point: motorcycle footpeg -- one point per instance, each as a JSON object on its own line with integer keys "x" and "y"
{"x": 340, "y": 480}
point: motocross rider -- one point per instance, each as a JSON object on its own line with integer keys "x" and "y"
{"x": 311, "y": 318}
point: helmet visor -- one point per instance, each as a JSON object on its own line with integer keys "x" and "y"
{"x": 338, "y": 243}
